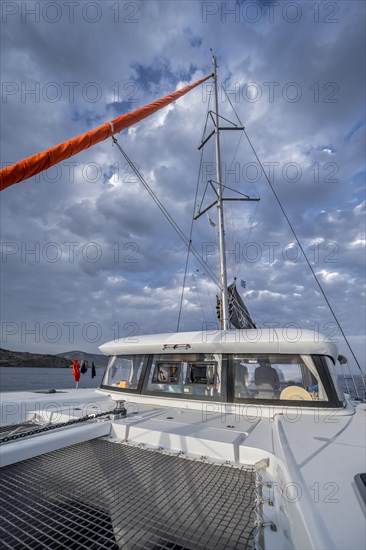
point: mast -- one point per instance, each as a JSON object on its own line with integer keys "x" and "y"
{"x": 240, "y": 317}
{"x": 220, "y": 210}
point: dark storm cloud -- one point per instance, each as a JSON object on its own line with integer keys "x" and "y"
{"x": 102, "y": 251}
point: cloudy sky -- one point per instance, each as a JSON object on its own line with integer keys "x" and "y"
{"x": 87, "y": 255}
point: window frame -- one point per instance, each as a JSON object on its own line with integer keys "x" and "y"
{"x": 227, "y": 394}
{"x": 177, "y": 364}
{"x": 141, "y": 379}
{"x": 324, "y": 376}
{"x": 158, "y": 393}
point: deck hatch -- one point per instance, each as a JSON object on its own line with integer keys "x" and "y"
{"x": 100, "y": 494}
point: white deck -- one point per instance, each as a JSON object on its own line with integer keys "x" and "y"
{"x": 313, "y": 457}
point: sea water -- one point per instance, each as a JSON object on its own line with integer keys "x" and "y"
{"x": 44, "y": 378}
{"x": 359, "y": 382}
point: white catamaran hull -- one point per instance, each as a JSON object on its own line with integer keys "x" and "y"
{"x": 304, "y": 460}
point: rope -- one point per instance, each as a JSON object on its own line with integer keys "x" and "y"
{"x": 53, "y": 427}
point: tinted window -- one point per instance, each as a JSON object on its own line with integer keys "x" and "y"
{"x": 191, "y": 375}
{"x": 124, "y": 372}
{"x": 288, "y": 377}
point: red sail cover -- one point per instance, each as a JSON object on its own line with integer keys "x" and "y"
{"x": 31, "y": 166}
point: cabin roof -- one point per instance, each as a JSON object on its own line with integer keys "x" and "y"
{"x": 279, "y": 340}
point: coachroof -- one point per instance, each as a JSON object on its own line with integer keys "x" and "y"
{"x": 279, "y": 340}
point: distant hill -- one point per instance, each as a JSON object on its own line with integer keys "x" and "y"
{"x": 99, "y": 360}
{"x": 24, "y": 359}
{"x": 61, "y": 360}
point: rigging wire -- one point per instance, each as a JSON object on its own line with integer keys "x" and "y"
{"x": 235, "y": 269}
{"x": 234, "y": 302}
{"x": 236, "y": 306}
{"x": 298, "y": 241}
{"x": 189, "y": 246}
{"x": 184, "y": 284}
{"x": 253, "y": 220}
{"x": 209, "y": 294}
{"x": 214, "y": 231}
{"x": 192, "y": 221}
{"x": 199, "y": 299}
{"x": 166, "y": 213}
{"x": 227, "y": 220}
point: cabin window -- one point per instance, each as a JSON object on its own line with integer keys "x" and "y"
{"x": 282, "y": 377}
{"x": 124, "y": 372}
{"x": 186, "y": 375}
{"x": 166, "y": 373}
{"x": 335, "y": 380}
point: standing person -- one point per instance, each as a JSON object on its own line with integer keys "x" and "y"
{"x": 266, "y": 379}
{"x": 241, "y": 379}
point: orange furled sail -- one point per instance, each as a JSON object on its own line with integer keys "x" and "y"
{"x": 31, "y": 166}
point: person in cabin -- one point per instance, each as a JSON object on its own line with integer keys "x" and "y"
{"x": 241, "y": 379}
{"x": 266, "y": 379}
